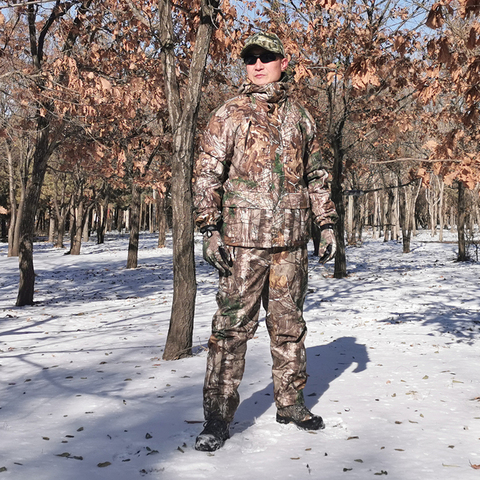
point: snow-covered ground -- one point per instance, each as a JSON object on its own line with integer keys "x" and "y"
{"x": 393, "y": 358}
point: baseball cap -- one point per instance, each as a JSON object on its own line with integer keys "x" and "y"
{"x": 268, "y": 41}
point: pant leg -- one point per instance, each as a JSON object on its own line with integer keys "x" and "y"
{"x": 235, "y": 322}
{"x": 286, "y": 295}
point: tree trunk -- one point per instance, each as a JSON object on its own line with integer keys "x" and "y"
{"x": 405, "y": 219}
{"x": 27, "y": 226}
{"x": 102, "y": 216}
{"x": 179, "y": 340}
{"x": 360, "y": 219}
{"x": 86, "y": 224}
{"x": 440, "y": 208}
{"x": 16, "y": 227}
{"x": 391, "y": 222}
{"x": 340, "y": 270}
{"x": 61, "y": 220}
{"x": 396, "y": 214}
{"x": 61, "y": 211}
{"x": 132, "y": 258}
{"x": 12, "y": 246}
{"x": 161, "y": 221}
{"x": 79, "y": 217}
{"x": 51, "y": 226}
{"x": 183, "y": 119}
{"x": 461, "y": 215}
{"x": 350, "y": 221}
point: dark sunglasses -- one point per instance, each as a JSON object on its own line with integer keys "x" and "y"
{"x": 265, "y": 57}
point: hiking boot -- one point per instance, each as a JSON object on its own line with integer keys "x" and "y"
{"x": 215, "y": 432}
{"x": 301, "y": 416}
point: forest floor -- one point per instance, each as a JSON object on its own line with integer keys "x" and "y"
{"x": 393, "y": 361}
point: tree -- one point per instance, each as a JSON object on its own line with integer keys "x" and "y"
{"x": 451, "y": 84}
{"x": 356, "y": 60}
{"x": 193, "y": 23}
{"x": 36, "y": 25}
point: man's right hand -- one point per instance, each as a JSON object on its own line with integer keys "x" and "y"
{"x": 328, "y": 244}
{"x": 216, "y": 253}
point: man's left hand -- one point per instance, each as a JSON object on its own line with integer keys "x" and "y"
{"x": 328, "y": 244}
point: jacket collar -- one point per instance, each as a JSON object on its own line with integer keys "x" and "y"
{"x": 276, "y": 92}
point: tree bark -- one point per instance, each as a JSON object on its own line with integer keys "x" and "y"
{"x": 161, "y": 221}
{"x": 340, "y": 270}
{"x": 441, "y": 208}
{"x": 102, "y": 215}
{"x": 51, "y": 225}
{"x": 12, "y": 247}
{"x": 183, "y": 118}
{"x": 461, "y": 215}
{"x": 79, "y": 217}
{"x": 132, "y": 258}
{"x": 27, "y": 226}
{"x": 405, "y": 219}
{"x": 350, "y": 221}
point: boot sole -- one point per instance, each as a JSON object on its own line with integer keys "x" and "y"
{"x": 286, "y": 420}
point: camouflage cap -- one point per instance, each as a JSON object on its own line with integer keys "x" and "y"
{"x": 268, "y": 41}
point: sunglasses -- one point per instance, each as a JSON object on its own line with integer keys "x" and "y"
{"x": 265, "y": 57}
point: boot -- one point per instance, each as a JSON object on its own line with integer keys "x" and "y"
{"x": 301, "y": 416}
{"x": 213, "y": 435}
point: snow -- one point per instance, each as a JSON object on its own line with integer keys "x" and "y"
{"x": 392, "y": 357}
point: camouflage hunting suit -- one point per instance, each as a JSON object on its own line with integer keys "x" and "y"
{"x": 260, "y": 176}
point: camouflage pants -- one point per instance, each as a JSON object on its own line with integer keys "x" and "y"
{"x": 276, "y": 277}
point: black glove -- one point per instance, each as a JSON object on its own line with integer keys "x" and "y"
{"x": 328, "y": 244}
{"x": 214, "y": 250}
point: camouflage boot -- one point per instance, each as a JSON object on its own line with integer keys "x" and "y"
{"x": 301, "y": 416}
{"x": 213, "y": 435}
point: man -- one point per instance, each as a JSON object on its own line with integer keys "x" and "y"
{"x": 258, "y": 181}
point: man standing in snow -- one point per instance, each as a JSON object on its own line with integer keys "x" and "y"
{"x": 258, "y": 181}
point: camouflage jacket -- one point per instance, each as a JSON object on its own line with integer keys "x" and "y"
{"x": 260, "y": 171}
